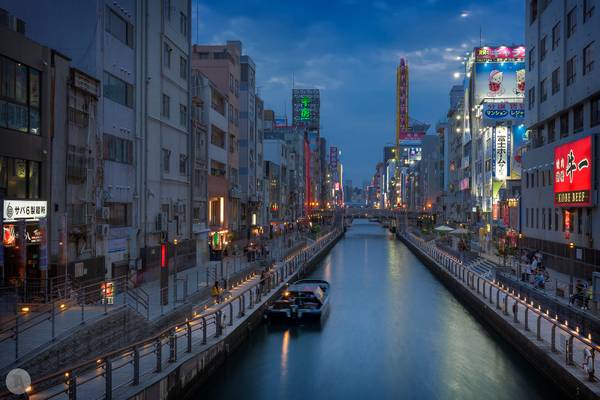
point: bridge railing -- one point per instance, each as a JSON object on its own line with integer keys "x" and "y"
{"x": 577, "y": 350}
{"x": 102, "y": 376}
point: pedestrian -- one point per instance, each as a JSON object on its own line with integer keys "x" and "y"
{"x": 530, "y": 269}
{"x": 216, "y": 292}
{"x": 588, "y": 363}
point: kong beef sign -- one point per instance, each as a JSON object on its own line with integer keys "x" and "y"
{"x": 573, "y": 174}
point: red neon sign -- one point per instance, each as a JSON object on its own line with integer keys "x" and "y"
{"x": 163, "y": 255}
{"x": 573, "y": 174}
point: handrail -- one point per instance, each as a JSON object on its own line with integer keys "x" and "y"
{"x": 199, "y": 319}
{"x": 438, "y": 256}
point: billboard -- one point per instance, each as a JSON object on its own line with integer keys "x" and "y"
{"x": 306, "y": 105}
{"x": 499, "y": 54}
{"x": 499, "y": 81}
{"x": 518, "y": 148}
{"x": 333, "y": 157}
{"x": 500, "y": 152}
{"x": 503, "y": 111}
{"x": 407, "y": 136}
{"x": 573, "y": 174}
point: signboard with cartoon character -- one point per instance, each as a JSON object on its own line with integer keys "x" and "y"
{"x": 573, "y": 174}
{"x": 499, "y": 81}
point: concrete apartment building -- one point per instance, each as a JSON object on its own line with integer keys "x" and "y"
{"x": 221, "y": 64}
{"x": 562, "y": 110}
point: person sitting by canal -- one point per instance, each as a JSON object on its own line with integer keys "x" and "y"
{"x": 539, "y": 281}
{"x": 216, "y": 292}
{"x": 579, "y": 295}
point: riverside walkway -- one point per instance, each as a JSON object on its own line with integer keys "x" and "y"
{"x": 563, "y": 345}
{"x": 128, "y": 371}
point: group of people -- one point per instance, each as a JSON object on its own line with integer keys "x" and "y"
{"x": 533, "y": 266}
{"x": 582, "y": 295}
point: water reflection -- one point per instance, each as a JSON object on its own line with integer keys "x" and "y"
{"x": 393, "y": 332}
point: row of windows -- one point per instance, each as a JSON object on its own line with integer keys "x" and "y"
{"x": 166, "y": 111}
{"x": 119, "y": 27}
{"x": 166, "y": 162}
{"x": 588, "y": 10}
{"x": 234, "y": 115}
{"x": 183, "y": 64}
{"x": 538, "y": 179}
{"x": 553, "y": 219}
{"x": 234, "y": 85}
{"x": 19, "y": 97}
{"x": 183, "y": 21}
{"x": 570, "y": 75}
{"x": 118, "y": 149}
{"x": 118, "y": 90}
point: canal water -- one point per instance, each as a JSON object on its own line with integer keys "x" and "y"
{"x": 394, "y": 332}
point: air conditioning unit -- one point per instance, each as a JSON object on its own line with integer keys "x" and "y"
{"x": 161, "y": 222}
{"x": 105, "y": 213}
{"x": 102, "y": 230}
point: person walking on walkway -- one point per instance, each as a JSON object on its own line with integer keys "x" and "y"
{"x": 216, "y": 292}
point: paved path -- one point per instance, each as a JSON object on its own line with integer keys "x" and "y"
{"x": 536, "y": 325}
{"x": 32, "y": 339}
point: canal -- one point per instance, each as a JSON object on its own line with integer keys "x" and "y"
{"x": 394, "y": 331}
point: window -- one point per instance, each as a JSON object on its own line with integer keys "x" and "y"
{"x": 564, "y": 125}
{"x": 167, "y": 9}
{"x": 119, "y": 214}
{"x": 537, "y": 218}
{"x": 20, "y": 87}
{"x": 543, "y": 218}
{"x": 595, "y": 111}
{"x": 118, "y": 149}
{"x": 166, "y": 160}
{"x": 588, "y": 9}
{"x": 588, "y": 58}
{"x": 543, "y": 49}
{"x": 527, "y": 217}
{"x": 232, "y": 144}
{"x": 230, "y": 113}
{"x": 183, "y": 25}
{"x": 19, "y": 179}
{"x": 527, "y": 180}
{"x": 183, "y": 118}
{"x": 167, "y": 55}
{"x": 556, "y": 81}
{"x": 556, "y": 36}
{"x": 217, "y": 168}
{"x": 556, "y": 219}
{"x": 217, "y": 137}
{"x": 579, "y": 220}
{"x": 551, "y": 131}
{"x": 237, "y": 117}
{"x": 183, "y": 68}
{"x": 531, "y": 58}
{"x": 543, "y": 90}
{"x": 183, "y": 164}
{"x": 237, "y": 88}
{"x": 197, "y": 178}
{"x": 118, "y": 90}
{"x": 549, "y": 219}
{"x": 166, "y": 106}
{"x": 533, "y": 10}
{"x": 571, "y": 21}
{"x": 571, "y": 70}
{"x": 231, "y": 89}
{"x": 119, "y": 27}
{"x": 531, "y": 97}
{"x": 578, "y": 118}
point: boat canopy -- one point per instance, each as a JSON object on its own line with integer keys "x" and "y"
{"x": 307, "y": 290}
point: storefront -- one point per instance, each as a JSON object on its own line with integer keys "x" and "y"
{"x": 23, "y": 254}
{"x": 218, "y": 241}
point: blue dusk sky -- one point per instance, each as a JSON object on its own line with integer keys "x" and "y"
{"x": 349, "y": 49}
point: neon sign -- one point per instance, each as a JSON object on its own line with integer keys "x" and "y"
{"x": 573, "y": 174}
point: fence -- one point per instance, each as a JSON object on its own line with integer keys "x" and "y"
{"x": 563, "y": 339}
{"x": 103, "y": 376}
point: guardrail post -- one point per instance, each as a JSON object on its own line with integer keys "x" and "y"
{"x": 506, "y": 304}
{"x": 569, "y": 350}
{"x": 490, "y": 296}
{"x": 240, "y": 306}
{"x": 189, "y": 336}
{"x": 516, "y": 311}
{"x": 158, "y": 351}
{"x": 203, "y": 330}
{"x": 72, "y": 387}
{"x": 230, "y": 313}
{"x": 136, "y": 366}
{"x": 107, "y": 379}
{"x": 498, "y": 299}
{"x": 478, "y": 278}
{"x": 483, "y": 289}
{"x": 526, "y": 318}
{"x": 251, "y": 299}
{"x": 172, "y": 346}
{"x": 553, "y": 338}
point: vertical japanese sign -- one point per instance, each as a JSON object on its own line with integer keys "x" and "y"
{"x": 500, "y": 152}
{"x": 333, "y": 157}
{"x": 573, "y": 174}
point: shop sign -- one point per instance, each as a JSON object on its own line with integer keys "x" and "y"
{"x": 24, "y": 209}
{"x": 503, "y": 111}
{"x": 499, "y": 81}
{"x": 333, "y": 157}
{"x": 499, "y": 54}
{"x": 33, "y": 234}
{"x": 464, "y": 184}
{"x": 500, "y": 152}
{"x": 9, "y": 236}
{"x": 573, "y": 174}
{"x": 567, "y": 225}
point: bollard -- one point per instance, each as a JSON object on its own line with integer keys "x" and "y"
{"x": 71, "y": 386}
{"x": 107, "y": 379}
{"x": 158, "y": 351}
{"x": 136, "y": 366}
{"x": 172, "y": 346}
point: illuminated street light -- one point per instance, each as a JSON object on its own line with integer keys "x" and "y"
{"x": 456, "y": 75}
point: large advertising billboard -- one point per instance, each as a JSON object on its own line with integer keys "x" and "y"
{"x": 501, "y": 152}
{"x": 499, "y": 54}
{"x": 573, "y": 174}
{"x": 519, "y": 147}
{"x": 499, "y": 81}
{"x": 306, "y": 106}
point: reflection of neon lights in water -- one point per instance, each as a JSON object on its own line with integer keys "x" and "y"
{"x": 284, "y": 352}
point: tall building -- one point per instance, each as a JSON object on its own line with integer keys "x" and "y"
{"x": 221, "y": 64}
{"x": 560, "y": 197}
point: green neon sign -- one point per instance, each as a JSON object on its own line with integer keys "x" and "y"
{"x": 304, "y": 110}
